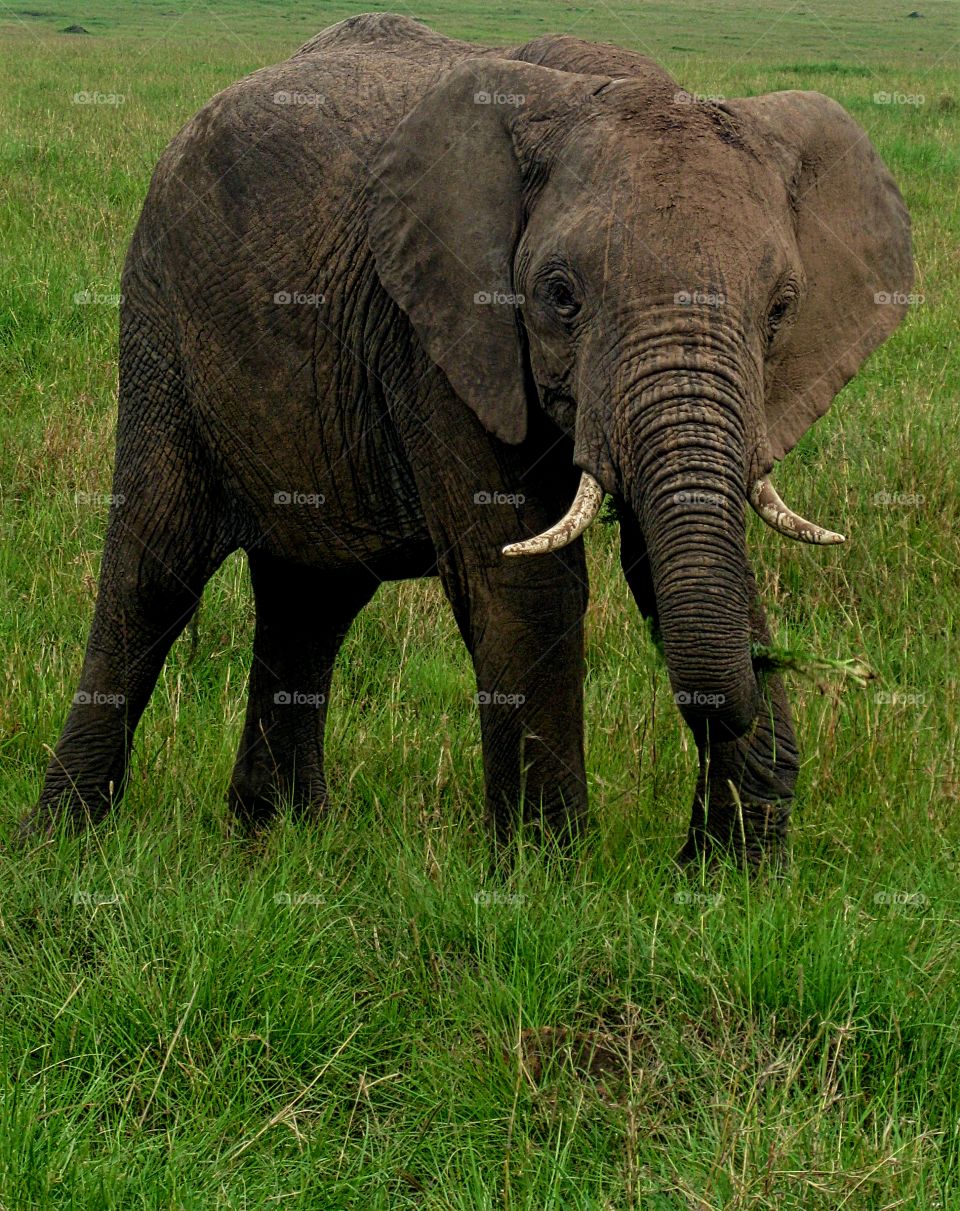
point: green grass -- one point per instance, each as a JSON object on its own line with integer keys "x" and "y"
{"x": 403, "y": 1032}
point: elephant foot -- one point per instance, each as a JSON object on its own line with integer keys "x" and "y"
{"x": 34, "y": 827}
{"x": 252, "y": 813}
{"x": 255, "y": 809}
{"x": 557, "y": 831}
{"x": 753, "y": 835}
{"x": 39, "y": 825}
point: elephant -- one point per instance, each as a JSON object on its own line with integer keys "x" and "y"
{"x": 390, "y": 307}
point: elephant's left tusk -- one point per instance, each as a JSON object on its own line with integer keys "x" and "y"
{"x": 780, "y": 517}
{"x": 585, "y": 507}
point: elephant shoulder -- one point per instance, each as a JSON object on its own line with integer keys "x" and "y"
{"x": 286, "y": 141}
{"x": 382, "y": 32}
{"x": 564, "y": 52}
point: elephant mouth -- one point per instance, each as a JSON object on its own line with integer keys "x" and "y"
{"x": 763, "y": 497}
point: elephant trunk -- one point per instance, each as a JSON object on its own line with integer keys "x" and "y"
{"x": 684, "y": 477}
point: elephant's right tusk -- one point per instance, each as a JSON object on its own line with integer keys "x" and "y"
{"x": 583, "y": 511}
{"x": 780, "y": 517}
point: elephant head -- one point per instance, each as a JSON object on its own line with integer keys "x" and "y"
{"x": 684, "y": 287}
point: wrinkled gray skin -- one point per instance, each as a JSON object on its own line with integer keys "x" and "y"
{"x": 587, "y": 186}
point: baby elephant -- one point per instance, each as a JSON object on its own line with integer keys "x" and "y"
{"x": 391, "y": 306}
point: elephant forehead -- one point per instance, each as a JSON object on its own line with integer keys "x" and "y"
{"x": 629, "y": 164}
{"x": 686, "y": 220}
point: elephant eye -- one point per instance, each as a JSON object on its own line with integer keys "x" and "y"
{"x": 560, "y": 296}
{"x": 782, "y": 310}
{"x": 777, "y": 314}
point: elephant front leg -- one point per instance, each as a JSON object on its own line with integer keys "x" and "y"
{"x": 745, "y": 789}
{"x": 523, "y": 624}
{"x": 745, "y": 786}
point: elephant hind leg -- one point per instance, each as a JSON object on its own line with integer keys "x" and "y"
{"x": 303, "y": 615}
{"x": 165, "y": 538}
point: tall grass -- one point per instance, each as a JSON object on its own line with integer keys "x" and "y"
{"x": 354, "y": 1015}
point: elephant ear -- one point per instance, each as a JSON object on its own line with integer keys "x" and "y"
{"x": 853, "y": 234}
{"x": 445, "y": 211}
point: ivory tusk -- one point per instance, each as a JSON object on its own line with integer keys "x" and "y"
{"x": 583, "y": 511}
{"x": 780, "y": 517}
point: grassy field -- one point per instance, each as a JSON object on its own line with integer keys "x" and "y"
{"x": 354, "y": 1017}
